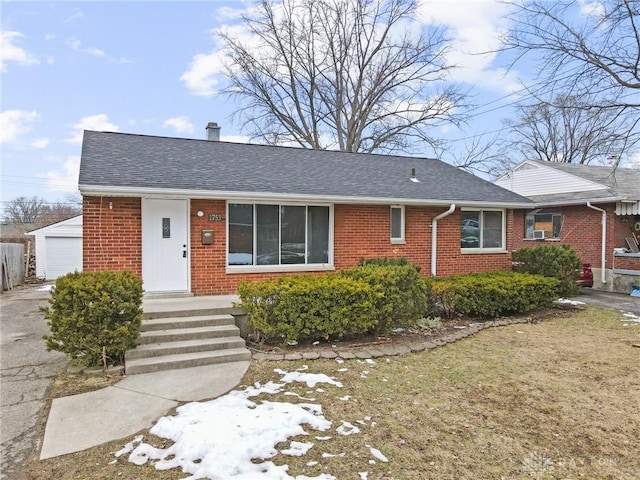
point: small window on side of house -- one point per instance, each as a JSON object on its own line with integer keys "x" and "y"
{"x": 539, "y": 225}
{"x": 397, "y": 224}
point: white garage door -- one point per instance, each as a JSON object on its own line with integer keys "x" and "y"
{"x": 64, "y": 255}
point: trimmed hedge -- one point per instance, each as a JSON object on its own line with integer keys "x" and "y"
{"x": 91, "y": 310}
{"x": 561, "y": 262}
{"x": 491, "y": 294}
{"x": 401, "y": 292}
{"x": 309, "y": 307}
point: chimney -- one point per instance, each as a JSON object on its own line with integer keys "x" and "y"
{"x": 213, "y": 132}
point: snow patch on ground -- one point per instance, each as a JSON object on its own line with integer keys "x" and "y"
{"x": 566, "y": 301}
{"x": 218, "y": 439}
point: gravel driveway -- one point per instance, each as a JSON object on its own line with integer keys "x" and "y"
{"x": 26, "y": 372}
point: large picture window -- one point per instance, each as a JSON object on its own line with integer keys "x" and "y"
{"x": 541, "y": 225}
{"x": 278, "y": 234}
{"x": 482, "y": 229}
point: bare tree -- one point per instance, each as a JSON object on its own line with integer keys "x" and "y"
{"x": 57, "y": 212}
{"x": 353, "y": 75}
{"x": 38, "y": 212}
{"x": 24, "y": 210}
{"x": 582, "y": 48}
{"x": 565, "y": 131}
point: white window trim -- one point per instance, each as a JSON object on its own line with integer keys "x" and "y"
{"x": 307, "y": 267}
{"x": 477, "y": 250}
{"x": 397, "y": 240}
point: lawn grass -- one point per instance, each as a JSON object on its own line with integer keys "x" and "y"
{"x": 551, "y": 400}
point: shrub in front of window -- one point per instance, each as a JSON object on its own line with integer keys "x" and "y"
{"x": 89, "y": 311}
{"x": 402, "y": 297}
{"x": 309, "y": 307}
{"x": 557, "y": 261}
{"x": 490, "y": 294}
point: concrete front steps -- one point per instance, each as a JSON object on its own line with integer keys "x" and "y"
{"x": 185, "y": 339}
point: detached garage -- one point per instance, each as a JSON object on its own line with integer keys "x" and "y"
{"x": 58, "y": 248}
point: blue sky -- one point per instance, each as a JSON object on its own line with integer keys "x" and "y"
{"x": 151, "y": 67}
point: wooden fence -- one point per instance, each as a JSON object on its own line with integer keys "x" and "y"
{"x": 12, "y": 259}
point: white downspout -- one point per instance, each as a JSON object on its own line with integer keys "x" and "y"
{"x": 604, "y": 242}
{"x": 434, "y": 236}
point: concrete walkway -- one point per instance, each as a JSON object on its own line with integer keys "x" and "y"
{"x": 83, "y": 421}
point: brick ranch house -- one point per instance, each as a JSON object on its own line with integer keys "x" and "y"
{"x": 595, "y": 209}
{"x": 199, "y": 216}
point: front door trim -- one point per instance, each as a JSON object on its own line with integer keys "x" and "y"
{"x": 175, "y": 283}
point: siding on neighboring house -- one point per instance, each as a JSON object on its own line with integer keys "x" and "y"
{"x": 113, "y": 241}
{"x": 48, "y": 243}
{"x": 536, "y": 179}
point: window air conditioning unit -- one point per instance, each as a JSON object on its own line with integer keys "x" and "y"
{"x": 539, "y": 234}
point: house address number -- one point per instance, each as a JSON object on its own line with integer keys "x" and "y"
{"x": 215, "y": 217}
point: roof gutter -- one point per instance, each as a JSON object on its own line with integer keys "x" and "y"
{"x": 603, "y": 254}
{"x": 567, "y": 203}
{"x": 291, "y": 197}
{"x": 434, "y": 236}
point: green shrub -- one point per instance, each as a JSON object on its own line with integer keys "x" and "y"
{"x": 402, "y": 261}
{"x": 91, "y": 310}
{"x": 401, "y": 291}
{"x": 492, "y": 294}
{"x": 561, "y": 262}
{"x": 309, "y": 307}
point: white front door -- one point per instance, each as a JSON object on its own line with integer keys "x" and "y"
{"x": 165, "y": 245}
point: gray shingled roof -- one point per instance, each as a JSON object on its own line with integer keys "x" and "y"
{"x": 113, "y": 161}
{"x": 621, "y": 183}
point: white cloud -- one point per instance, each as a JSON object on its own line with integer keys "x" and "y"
{"x": 77, "y": 47}
{"x": 98, "y": 122}
{"x": 475, "y": 27}
{"x": 40, "y": 143}
{"x": 65, "y": 180}
{"x": 200, "y": 77}
{"x": 595, "y": 9}
{"x": 633, "y": 160}
{"x": 180, "y": 124}
{"x": 235, "y": 138}
{"x": 14, "y": 123}
{"x": 77, "y": 14}
{"x": 9, "y": 52}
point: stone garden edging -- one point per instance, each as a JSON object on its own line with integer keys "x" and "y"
{"x": 377, "y": 351}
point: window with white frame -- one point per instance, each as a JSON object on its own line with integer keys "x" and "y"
{"x": 482, "y": 229}
{"x": 540, "y": 224}
{"x": 262, "y": 234}
{"x": 397, "y": 223}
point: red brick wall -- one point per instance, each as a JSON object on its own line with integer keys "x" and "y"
{"x": 363, "y": 232}
{"x": 581, "y": 228}
{"x": 112, "y": 234}
{"x": 113, "y": 240}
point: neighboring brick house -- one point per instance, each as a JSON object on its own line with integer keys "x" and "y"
{"x": 200, "y": 216}
{"x": 596, "y": 209}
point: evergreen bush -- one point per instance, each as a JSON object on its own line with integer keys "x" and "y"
{"x": 309, "y": 307}
{"x": 561, "y": 262}
{"x": 401, "y": 298}
{"x": 89, "y": 311}
{"x": 491, "y": 294}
